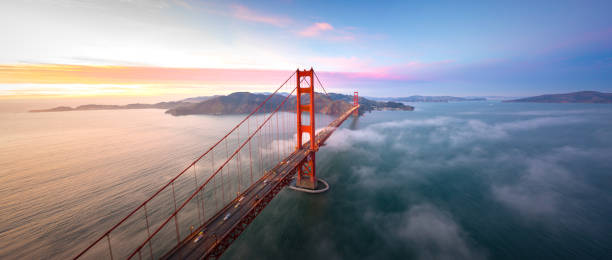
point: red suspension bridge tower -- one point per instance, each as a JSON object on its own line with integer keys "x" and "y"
{"x": 356, "y": 102}
{"x": 306, "y": 177}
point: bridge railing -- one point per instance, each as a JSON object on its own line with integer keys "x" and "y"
{"x": 256, "y": 144}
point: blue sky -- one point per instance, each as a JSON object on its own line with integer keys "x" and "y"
{"x": 380, "y": 48}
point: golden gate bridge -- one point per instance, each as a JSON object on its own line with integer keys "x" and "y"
{"x": 203, "y": 209}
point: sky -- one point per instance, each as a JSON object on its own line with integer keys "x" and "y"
{"x": 184, "y": 48}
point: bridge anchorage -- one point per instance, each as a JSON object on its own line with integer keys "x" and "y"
{"x": 200, "y": 212}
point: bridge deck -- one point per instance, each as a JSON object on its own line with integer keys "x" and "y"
{"x": 225, "y": 226}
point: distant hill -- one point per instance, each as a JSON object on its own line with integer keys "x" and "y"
{"x": 161, "y": 105}
{"x": 499, "y": 98}
{"x": 575, "y": 97}
{"x": 431, "y": 99}
{"x": 245, "y": 102}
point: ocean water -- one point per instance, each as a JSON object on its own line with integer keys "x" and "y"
{"x": 67, "y": 177}
{"x": 473, "y": 180}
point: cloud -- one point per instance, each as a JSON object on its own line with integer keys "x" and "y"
{"x": 155, "y": 4}
{"x": 183, "y": 4}
{"x": 404, "y": 180}
{"x": 532, "y": 194}
{"x": 472, "y": 130}
{"x": 55, "y": 76}
{"x": 327, "y": 32}
{"x": 334, "y": 63}
{"x": 316, "y": 29}
{"x": 442, "y": 130}
{"x": 458, "y": 131}
{"x": 538, "y": 122}
{"x": 543, "y": 187}
{"x": 244, "y": 13}
{"x": 405, "y": 138}
{"x": 344, "y": 138}
{"x": 427, "y": 231}
{"x": 364, "y": 75}
{"x": 83, "y": 74}
{"x": 546, "y": 186}
{"x": 353, "y": 68}
{"x": 435, "y": 235}
{"x": 538, "y": 112}
{"x": 554, "y": 112}
{"x": 436, "y": 121}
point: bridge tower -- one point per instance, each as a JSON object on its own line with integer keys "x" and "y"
{"x": 356, "y": 102}
{"x": 306, "y": 177}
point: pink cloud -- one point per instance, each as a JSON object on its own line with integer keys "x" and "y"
{"x": 366, "y": 72}
{"x": 341, "y": 63}
{"x": 183, "y": 4}
{"x": 368, "y": 75}
{"x": 358, "y": 68}
{"x": 355, "y": 69}
{"x": 316, "y": 29}
{"x": 334, "y": 70}
{"x": 244, "y": 13}
{"x": 333, "y": 34}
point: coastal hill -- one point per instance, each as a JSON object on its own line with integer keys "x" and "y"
{"x": 575, "y": 97}
{"x": 244, "y": 102}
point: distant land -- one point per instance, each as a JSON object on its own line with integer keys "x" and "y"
{"x": 574, "y": 97}
{"x": 161, "y": 105}
{"x": 244, "y": 102}
{"x": 431, "y": 99}
{"x": 500, "y": 98}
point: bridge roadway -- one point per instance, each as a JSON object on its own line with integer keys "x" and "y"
{"x": 225, "y": 226}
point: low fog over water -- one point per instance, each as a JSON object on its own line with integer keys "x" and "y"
{"x": 482, "y": 180}
{"x": 474, "y": 180}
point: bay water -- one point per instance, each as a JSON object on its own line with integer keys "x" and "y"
{"x": 471, "y": 180}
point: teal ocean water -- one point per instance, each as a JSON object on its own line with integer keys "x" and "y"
{"x": 474, "y": 180}
{"x": 482, "y": 180}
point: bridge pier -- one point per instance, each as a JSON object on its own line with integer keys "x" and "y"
{"x": 322, "y": 186}
{"x": 306, "y": 177}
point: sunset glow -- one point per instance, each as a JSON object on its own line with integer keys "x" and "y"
{"x": 192, "y": 47}
{"x": 75, "y": 80}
